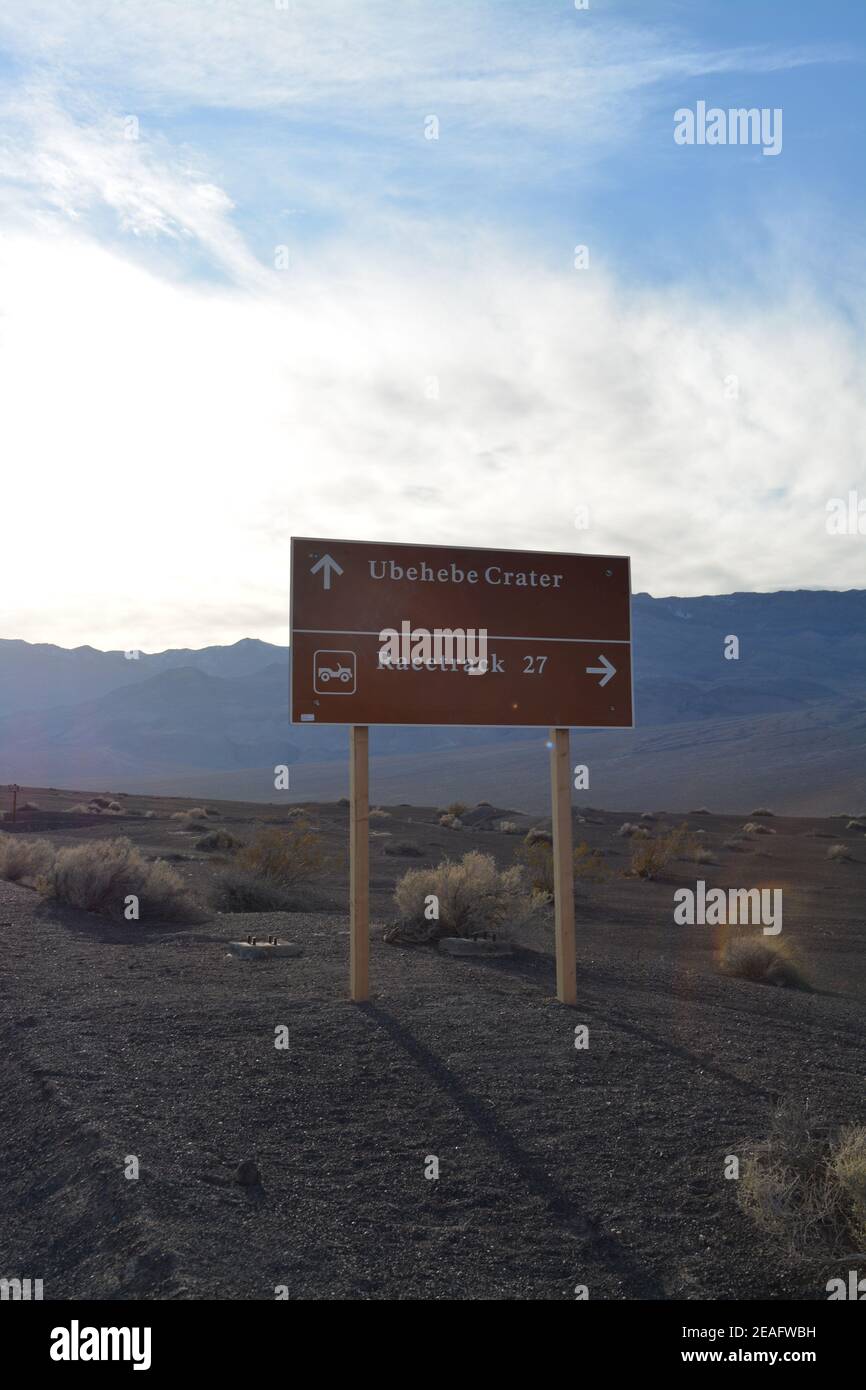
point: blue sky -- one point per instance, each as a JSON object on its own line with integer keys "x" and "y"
{"x": 430, "y": 361}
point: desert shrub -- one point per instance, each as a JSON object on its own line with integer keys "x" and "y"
{"x": 736, "y": 843}
{"x": 537, "y": 861}
{"x": 589, "y": 863}
{"x": 647, "y": 815}
{"x": 762, "y": 811}
{"x": 764, "y": 959}
{"x": 284, "y": 856}
{"x": 295, "y": 811}
{"x": 457, "y": 808}
{"x": 23, "y": 859}
{"x": 474, "y": 895}
{"x": 483, "y": 803}
{"x": 217, "y": 840}
{"x": 343, "y": 801}
{"x": 450, "y": 822}
{"x": 79, "y": 809}
{"x": 238, "y": 891}
{"x": 403, "y": 849}
{"x": 378, "y": 813}
{"x": 838, "y": 852}
{"x": 149, "y": 815}
{"x": 507, "y": 827}
{"x": 856, "y": 825}
{"x": 702, "y": 855}
{"x": 99, "y": 877}
{"x": 537, "y": 836}
{"x": 750, "y": 828}
{"x": 101, "y": 803}
{"x": 701, "y": 811}
{"x": 629, "y": 830}
{"x": 806, "y": 1185}
{"x": 847, "y": 1164}
{"x": 650, "y": 857}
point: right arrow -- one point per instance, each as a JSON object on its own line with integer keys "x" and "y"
{"x": 605, "y": 670}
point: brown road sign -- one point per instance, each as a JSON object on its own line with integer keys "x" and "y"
{"x": 558, "y": 635}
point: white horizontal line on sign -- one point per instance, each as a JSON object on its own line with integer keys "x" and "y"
{"x": 491, "y": 636}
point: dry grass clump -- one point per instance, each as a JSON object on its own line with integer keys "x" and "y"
{"x": 22, "y": 859}
{"x": 474, "y": 895}
{"x": 237, "y": 891}
{"x": 450, "y": 822}
{"x": 284, "y": 856}
{"x": 537, "y": 835}
{"x": 838, "y": 852}
{"x": 537, "y": 860}
{"x": 99, "y": 877}
{"x": 377, "y": 813}
{"x": 763, "y": 959}
{"x": 457, "y": 808}
{"x": 650, "y": 857}
{"x": 97, "y": 806}
{"x": 217, "y": 840}
{"x": 701, "y": 855}
{"x": 750, "y": 828}
{"x": 806, "y": 1186}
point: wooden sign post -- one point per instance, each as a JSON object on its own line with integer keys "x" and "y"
{"x": 563, "y": 866}
{"x": 359, "y": 863}
{"x": 557, "y": 656}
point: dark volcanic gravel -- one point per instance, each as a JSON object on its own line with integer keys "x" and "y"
{"x": 262, "y": 1167}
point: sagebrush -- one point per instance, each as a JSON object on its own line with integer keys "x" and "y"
{"x": 21, "y": 858}
{"x": 473, "y": 895}
{"x": 99, "y": 877}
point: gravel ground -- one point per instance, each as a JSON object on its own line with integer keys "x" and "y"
{"x": 557, "y": 1167}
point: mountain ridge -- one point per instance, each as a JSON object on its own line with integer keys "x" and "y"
{"x": 89, "y": 718}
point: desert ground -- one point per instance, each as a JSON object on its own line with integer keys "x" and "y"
{"x": 302, "y": 1169}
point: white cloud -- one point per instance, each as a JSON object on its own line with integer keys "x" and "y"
{"x": 162, "y": 441}
{"x": 50, "y": 162}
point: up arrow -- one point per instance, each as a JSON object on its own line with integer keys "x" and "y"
{"x": 605, "y": 670}
{"x": 326, "y": 565}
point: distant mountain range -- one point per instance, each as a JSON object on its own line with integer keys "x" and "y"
{"x": 785, "y": 724}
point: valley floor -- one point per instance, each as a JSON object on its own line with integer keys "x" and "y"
{"x": 557, "y": 1167}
